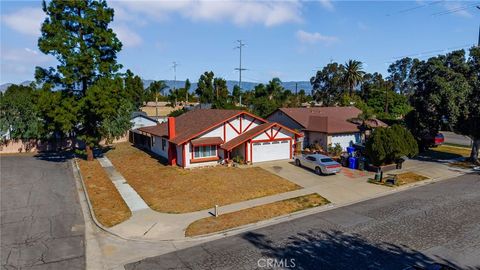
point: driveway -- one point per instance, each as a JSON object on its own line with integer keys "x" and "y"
{"x": 436, "y": 223}
{"x": 345, "y": 187}
{"x": 42, "y": 225}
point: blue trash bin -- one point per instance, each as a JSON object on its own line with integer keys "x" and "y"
{"x": 350, "y": 150}
{"x": 352, "y": 163}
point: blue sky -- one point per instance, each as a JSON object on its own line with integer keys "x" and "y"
{"x": 288, "y": 40}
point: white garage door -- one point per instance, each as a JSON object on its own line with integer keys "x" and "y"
{"x": 268, "y": 151}
{"x": 345, "y": 139}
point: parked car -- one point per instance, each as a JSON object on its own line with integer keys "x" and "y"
{"x": 321, "y": 164}
{"x": 431, "y": 141}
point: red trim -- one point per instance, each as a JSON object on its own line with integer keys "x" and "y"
{"x": 193, "y": 149}
{"x": 272, "y": 140}
{"x": 251, "y": 152}
{"x": 198, "y": 160}
{"x": 241, "y": 124}
{"x": 271, "y": 133}
{"x": 184, "y": 160}
{"x": 225, "y": 154}
{"x": 238, "y": 132}
{"x": 290, "y": 148}
{"x": 246, "y": 157}
{"x": 224, "y": 132}
{"x": 266, "y": 133}
{"x": 277, "y": 133}
{"x": 250, "y": 124}
{"x": 223, "y": 121}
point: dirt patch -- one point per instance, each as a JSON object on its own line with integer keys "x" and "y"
{"x": 254, "y": 214}
{"x": 175, "y": 190}
{"x": 108, "y": 205}
{"x": 400, "y": 179}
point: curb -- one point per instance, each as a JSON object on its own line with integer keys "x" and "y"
{"x": 259, "y": 224}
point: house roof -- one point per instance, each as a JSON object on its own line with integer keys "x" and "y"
{"x": 143, "y": 115}
{"x": 207, "y": 141}
{"x": 193, "y": 123}
{"x": 324, "y": 119}
{"x": 252, "y": 133}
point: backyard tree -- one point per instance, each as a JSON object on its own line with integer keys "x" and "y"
{"x": 78, "y": 35}
{"x": 134, "y": 88}
{"x": 353, "y": 74}
{"x": 205, "y": 88}
{"x": 18, "y": 112}
{"x": 387, "y": 145}
{"x": 328, "y": 84}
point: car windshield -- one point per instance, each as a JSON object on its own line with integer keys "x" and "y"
{"x": 326, "y": 160}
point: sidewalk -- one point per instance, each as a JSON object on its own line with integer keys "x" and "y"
{"x": 340, "y": 189}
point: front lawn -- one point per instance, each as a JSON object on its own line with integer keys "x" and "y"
{"x": 175, "y": 190}
{"x": 401, "y": 179}
{"x": 254, "y": 214}
{"x": 445, "y": 152}
{"x": 108, "y": 206}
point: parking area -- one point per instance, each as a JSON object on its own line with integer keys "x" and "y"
{"x": 344, "y": 187}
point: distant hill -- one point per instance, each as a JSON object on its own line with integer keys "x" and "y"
{"x": 230, "y": 84}
{"x": 245, "y": 85}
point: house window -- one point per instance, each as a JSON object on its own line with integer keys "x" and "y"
{"x": 164, "y": 144}
{"x": 205, "y": 151}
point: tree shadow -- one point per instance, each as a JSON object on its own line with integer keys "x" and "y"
{"x": 57, "y": 156}
{"x": 338, "y": 250}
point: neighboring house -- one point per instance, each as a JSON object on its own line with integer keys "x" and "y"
{"x": 140, "y": 119}
{"x": 206, "y": 136}
{"x": 163, "y": 109}
{"x": 323, "y": 125}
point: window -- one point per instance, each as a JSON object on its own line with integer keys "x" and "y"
{"x": 326, "y": 160}
{"x": 285, "y": 141}
{"x": 311, "y": 158}
{"x": 265, "y": 143}
{"x": 275, "y": 142}
{"x": 164, "y": 144}
{"x": 205, "y": 151}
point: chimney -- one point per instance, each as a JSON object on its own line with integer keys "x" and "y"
{"x": 171, "y": 127}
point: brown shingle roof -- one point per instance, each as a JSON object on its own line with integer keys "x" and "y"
{"x": 324, "y": 119}
{"x": 247, "y": 135}
{"x": 207, "y": 141}
{"x": 193, "y": 123}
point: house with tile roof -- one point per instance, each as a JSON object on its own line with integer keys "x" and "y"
{"x": 322, "y": 125}
{"x": 203, "y": 137}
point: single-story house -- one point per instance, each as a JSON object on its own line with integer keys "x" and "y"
{"x": 323, "y": 125}
{"x": 206, "y": 136}
{"x": 140, "y": 119}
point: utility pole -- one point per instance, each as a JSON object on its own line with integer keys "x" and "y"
{"x": 478, "y": 44}
{"x": 175, "y": 81}
{"x": 240, "y": 69}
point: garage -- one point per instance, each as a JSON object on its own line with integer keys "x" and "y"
{"x": 345, "y": 139}
{"x": 270, "y": 150}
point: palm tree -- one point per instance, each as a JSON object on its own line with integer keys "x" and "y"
{"x": 157, "y": 88}
{"x": 353, "y": 74}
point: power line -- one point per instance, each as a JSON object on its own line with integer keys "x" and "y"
{"x": 454, "y": 10}
{"x": 240, "y": 69}
{"x": 415, "y": 8}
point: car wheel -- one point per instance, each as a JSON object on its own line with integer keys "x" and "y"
{"x": 318, "y": 171}
{"x": 297, "y": 162}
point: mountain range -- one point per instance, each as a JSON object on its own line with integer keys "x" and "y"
{"x": 305, "y": 85}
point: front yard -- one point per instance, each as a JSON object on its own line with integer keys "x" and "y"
{"x": 175, "y": 190}
{"x": 444, "y": 152}
{"x": 254, "y": 214}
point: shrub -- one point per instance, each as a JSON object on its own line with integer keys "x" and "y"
{"x": 386, "y": 145}
{"x": 335, "y": 150}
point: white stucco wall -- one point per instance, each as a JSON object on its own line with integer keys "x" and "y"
{"x": 157, "y": 146}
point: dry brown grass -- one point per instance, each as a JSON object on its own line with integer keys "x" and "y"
{"x": 254, "y": 214}
{"x": 175, "y": 190}
{"x": 402, "y": 179}
{"x": 108, "y": 205}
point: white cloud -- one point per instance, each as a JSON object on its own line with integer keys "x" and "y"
{"x": 327, "y": 4}
{"x": 315, "y": 37}
{"x": 26, "y": 21}
{"x": 127, "y": 36}
{"x": 268, "y": 13}
{"x": 18, "y": 64}
{"x": 457, "y": 8}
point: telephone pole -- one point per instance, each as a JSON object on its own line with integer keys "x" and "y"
{"x": 240, "y": 69}
{"x": 174, "y": 80}
{"x": 478, "y": 44}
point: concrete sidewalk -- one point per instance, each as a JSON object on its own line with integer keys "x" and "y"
{"x": 341, "y": 189}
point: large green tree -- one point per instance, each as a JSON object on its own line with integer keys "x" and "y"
{"x": 327, "y": 84}
{"x": 19, "y": 115}
{"x": 78, "y": 35}
{"x": 353, "y": 74}
{"x": 135, "y": 90}
{"x": 205, "y": 88}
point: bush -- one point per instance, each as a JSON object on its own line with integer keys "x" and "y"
{"x": 386, "y": 145}
{"x": 335, "y": 150}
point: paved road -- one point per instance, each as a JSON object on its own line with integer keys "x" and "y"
{"x": 439, "y": 222}
{"x": 454, "y": 138}
{"x": 41, "y": 221}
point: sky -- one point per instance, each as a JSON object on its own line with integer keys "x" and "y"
{"x": 285, "y": 39}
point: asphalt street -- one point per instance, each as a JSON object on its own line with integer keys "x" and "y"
{"x": 42, "y": 225}
{"x": 435, "y": 223}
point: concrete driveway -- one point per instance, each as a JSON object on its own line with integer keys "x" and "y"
{"x": 345, "y": 187}
{"x": 42, "y": 224}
